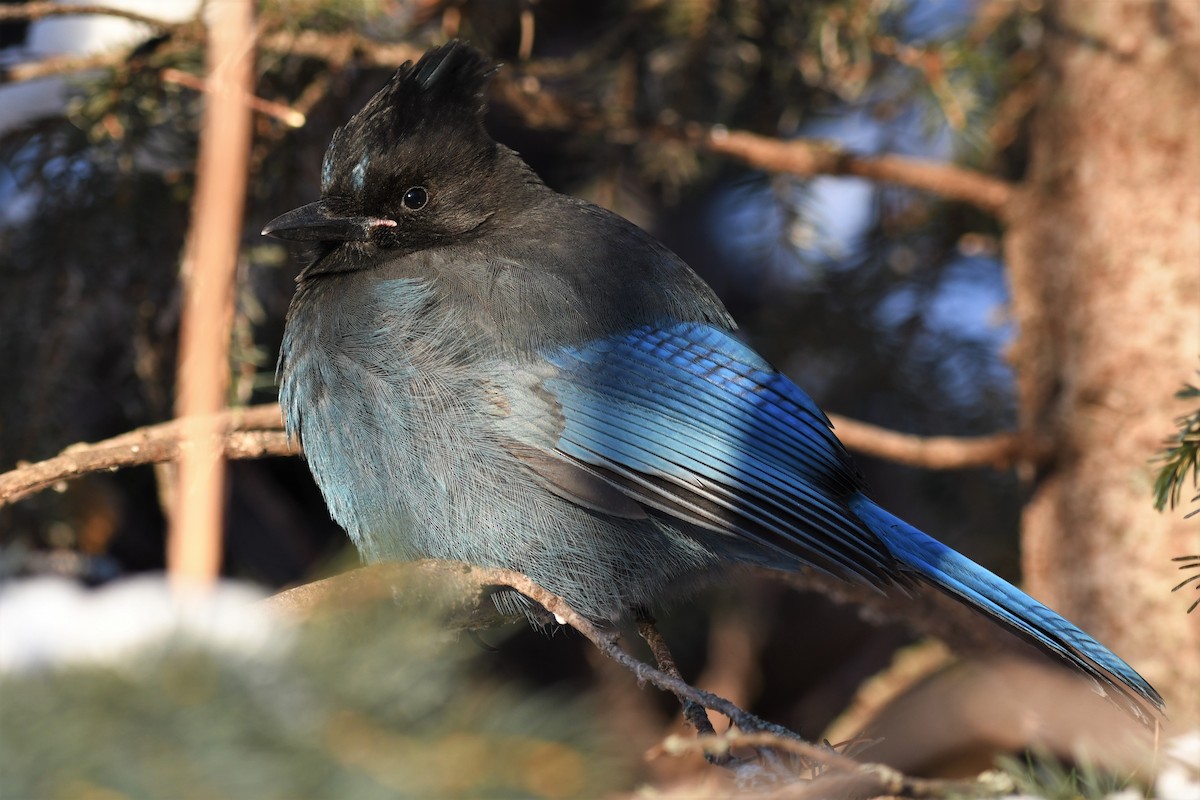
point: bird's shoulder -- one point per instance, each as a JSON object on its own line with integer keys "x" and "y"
{"x": 579, "y": 271}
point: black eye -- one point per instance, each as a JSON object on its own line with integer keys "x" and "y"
{"x": 415, "y": 198}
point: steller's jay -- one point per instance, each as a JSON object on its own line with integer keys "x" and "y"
{"x": 481, "y": 369}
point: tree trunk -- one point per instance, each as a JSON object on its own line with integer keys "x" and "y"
{"x": 1104, "y": 250}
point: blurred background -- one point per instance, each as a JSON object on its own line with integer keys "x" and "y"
{"x": 888, "y": 304}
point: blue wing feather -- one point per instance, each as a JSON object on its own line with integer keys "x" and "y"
{"x": 959, "y": 576}
{"x": 676, "y": 448}
{"x": 701, "y": 412}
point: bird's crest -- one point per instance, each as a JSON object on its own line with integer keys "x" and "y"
{"x": 443, "y": 90}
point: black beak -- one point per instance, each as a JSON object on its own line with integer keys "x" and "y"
{"x": 315, "y": 223}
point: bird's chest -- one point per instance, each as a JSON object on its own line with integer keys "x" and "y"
{"x": 390, "y": 406}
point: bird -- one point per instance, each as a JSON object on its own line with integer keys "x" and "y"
{"x": 481, "y": 369}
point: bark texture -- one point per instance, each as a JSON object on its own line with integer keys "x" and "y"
{"x": 1104, "y": 251}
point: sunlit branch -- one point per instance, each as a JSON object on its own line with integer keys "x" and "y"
{"x": 250, "y": 433}
{"x": 804, "y": 157}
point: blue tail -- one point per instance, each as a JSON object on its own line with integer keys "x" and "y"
{"x": 962, "y": 578}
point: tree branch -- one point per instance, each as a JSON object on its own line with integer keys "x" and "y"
{"x": 807, "y": 158}
{"x": 35, "y": 11}
{"x": 82, "y": 459}
{"x": 61, "y": 65}
{"x": 998, "y": 451}
{"x": 288, "y": 116}
{"x": 338, "y": 49}
{"x": 692, "y": 712}
{"x": 250, "y": 433}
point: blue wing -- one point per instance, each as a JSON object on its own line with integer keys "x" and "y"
{"x": 689, "y": 421}
{"x": 692, "y": 422}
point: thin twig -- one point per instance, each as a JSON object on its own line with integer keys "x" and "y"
{"x": 692, "y": 712}
{"x": 998, "y": 451}
{"x": 288, "y": 116}
{"x": 251, "y": 433}
{"x": 62, "y": 65}
{"x": 525, "y": 47}
{"x": 909, "y": 666}
{"x": 806, "y": 158}
{"x": 108, "y": 456}
{"x": 338, "y": 49}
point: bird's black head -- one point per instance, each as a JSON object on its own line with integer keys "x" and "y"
{"x": 409, "y": 170}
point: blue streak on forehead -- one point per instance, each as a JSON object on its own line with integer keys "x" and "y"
{"x": 358, "y": 174}
{"x": 327, "y": 171}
